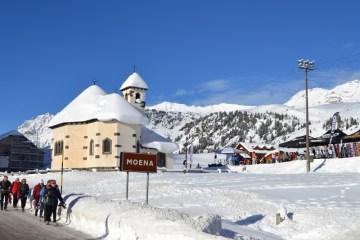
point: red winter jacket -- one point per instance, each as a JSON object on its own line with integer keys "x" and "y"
{"x": 15, "y": 188}
{"x": 36, "y": 192}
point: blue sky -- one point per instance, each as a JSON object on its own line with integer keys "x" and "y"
{"x": 193, "y": 52}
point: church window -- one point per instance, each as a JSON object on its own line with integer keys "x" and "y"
{"x": 137, "y": 96}
{"x": 91, "y": 147}
{"x": 59, "y": 147}
{"x": 107, "y": 146}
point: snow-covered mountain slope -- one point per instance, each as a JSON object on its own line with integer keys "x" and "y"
{"x": 220, "y": 125}
{"x": 37, "y": 131}
{"x": 177, "y": 107}
{"x": 348, "y": 92}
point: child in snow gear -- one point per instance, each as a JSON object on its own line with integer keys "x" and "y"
{"x": 5, "y": 186}
{"x": 23, "y": 193}
{"x": 36, "y": 196}
{"x": 52, "y": 196}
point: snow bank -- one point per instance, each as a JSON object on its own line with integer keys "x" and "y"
{"x": 134, "y": 221}
{"x": 337, "y": 165}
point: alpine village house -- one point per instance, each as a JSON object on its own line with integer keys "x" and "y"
{"x": 93, "y": 129}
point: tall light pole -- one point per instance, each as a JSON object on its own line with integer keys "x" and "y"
{"x": 307, "y": 66}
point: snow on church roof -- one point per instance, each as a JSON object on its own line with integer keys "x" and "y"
{"x": 134, "y": 80}
{"x": 151, "y": 139}
{"x": 95, "y": 104}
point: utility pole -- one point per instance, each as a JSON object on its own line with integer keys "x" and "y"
{"x": 307, "y": 66}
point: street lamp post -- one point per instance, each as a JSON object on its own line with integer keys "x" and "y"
{"x": 307, "y": 66}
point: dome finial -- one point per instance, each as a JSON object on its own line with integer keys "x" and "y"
{"x": 134, "y": 68}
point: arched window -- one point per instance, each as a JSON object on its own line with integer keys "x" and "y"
{"x": 137, "y": 96}
{"x": 91, "y": 147}
{"x": 56, "y": 148}
{"x": 61, "y": 147}
{"x": 107, "y": 146}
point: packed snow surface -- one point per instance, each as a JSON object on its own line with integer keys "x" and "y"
{"x": 323, "y": 204}
{"x": 94, "y": 103}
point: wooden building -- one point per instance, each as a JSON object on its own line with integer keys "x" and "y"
{"x": 259, "y": 153}
{"x": 17, "y": 153}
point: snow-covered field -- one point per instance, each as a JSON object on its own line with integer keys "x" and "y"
{"x": 324, "y": 204}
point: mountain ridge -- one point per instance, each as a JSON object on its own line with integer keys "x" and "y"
{"x": 263, "y": 124}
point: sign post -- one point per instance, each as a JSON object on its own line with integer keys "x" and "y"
{"x": 138, "y": 162}
{"x": 147, "y": 188}
{"x": 127, "y": 185}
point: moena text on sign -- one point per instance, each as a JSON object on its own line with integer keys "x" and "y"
{"x": 138, "y": 162}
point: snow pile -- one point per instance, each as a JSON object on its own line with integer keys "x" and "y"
{"x": 93, "y": 103}
{"x": 126, "y": 220}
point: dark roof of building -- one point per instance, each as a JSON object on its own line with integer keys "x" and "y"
{"x": 10, "y": 133}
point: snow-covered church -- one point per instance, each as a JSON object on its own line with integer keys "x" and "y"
{"x": 93, "y": 129}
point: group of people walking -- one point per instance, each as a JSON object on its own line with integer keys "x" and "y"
{"x": 44, "y": 198}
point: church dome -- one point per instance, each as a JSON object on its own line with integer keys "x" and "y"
{"x": 135, "y": 81}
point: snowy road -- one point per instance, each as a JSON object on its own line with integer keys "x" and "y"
{"x": 22, "y": 226}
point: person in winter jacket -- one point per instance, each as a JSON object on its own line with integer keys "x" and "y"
{"x": 29, "y": 196}
{"x": 36, "y": 196}
{"x": 5, "y": 187}
{"x": 14, "y": 191}
{"x": 41, "y": 204}
{"x": 52, "y": 197}
{"x": 23, "y": 193}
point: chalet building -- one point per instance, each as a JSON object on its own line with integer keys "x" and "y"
{"x": 352, "y": 138}
{"x": 342, "y": 145}
{"x": 258, "y": 153}
{"x": 93, "y": 129}
{"x": 17, "y": 153}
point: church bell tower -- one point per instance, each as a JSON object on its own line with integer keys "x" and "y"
{"x": 134, "y": 90}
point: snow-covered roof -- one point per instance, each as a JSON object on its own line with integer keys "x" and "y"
{"x": 151, "y": 139}
{"x": 250, "y": 147}
{"x": 95, "y": 104}
{"x": 134, "y": 80}
{"x": 10, "y": 133}
{"x": 230, "y": 150}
